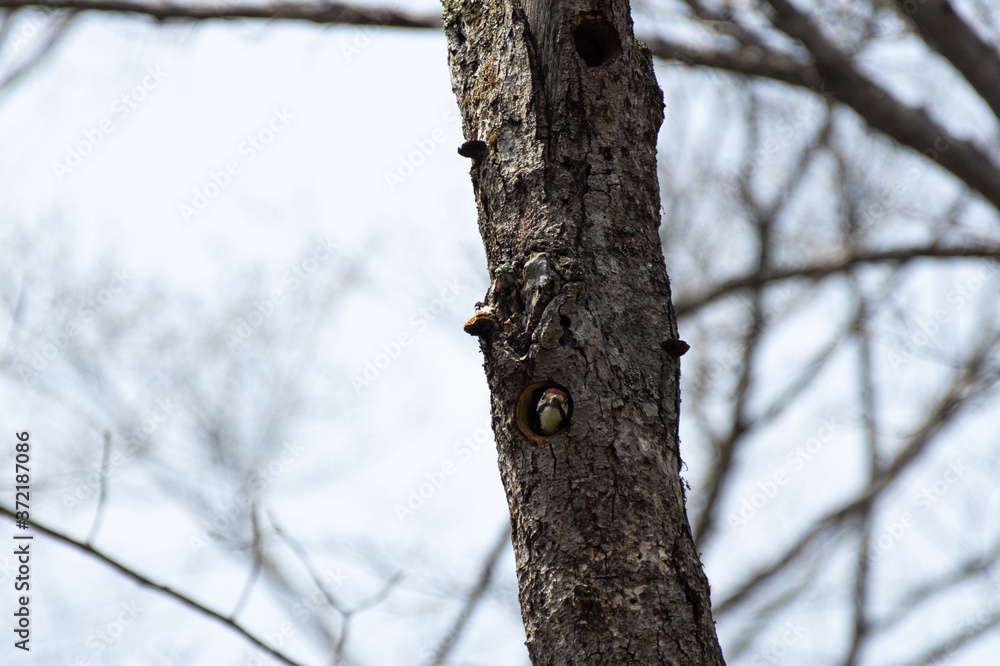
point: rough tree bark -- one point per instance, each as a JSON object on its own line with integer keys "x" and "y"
{"x": 561, "y": 109}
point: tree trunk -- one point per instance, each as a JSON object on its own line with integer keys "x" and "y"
{"x": 561, "y": 109}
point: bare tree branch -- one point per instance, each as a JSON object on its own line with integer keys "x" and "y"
{"x": 944, "y": 31}
{"x": 255, "y": 567}
{"x": 949, "y": 646}
{"x": 764, "y": 216}
{"x": 869, "y": 415}
{"x": 751, "y": 61}
{"x": 475, "y": 596}
{"x": 102, "y": 494}
{"x": 346, "y": 613}
{"x": 909, "y": 126}
{"x": 976, "y": 565}
{"x": 974, "y": 379}
{"x": 766, "y": 613}
{"x": 163, "y": 589}
{"x": 57, "y": 30}
{"x": 6, "y": 21}
{"x": 821, "y": 269}
{"x": 834, "y": 75}
{"x": 325, "y": 13}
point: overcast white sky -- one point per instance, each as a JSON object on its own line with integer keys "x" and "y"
{"x": 168, "y": 107}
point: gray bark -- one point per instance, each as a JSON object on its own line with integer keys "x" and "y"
{"x": 561, "y": 108}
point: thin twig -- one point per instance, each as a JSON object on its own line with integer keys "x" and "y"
{"x": 255, "y": 569}
{"x": 346, "y": 613}
{"x": 60, "y": 24}
{"x": 142, "y": 580}
{"x": 102, "y": 494}
{"x": 475, "y": 596}
{"x": 975, "y": 379}
{"x": 325, "y": 13}
{"x": 823, "y": 268}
